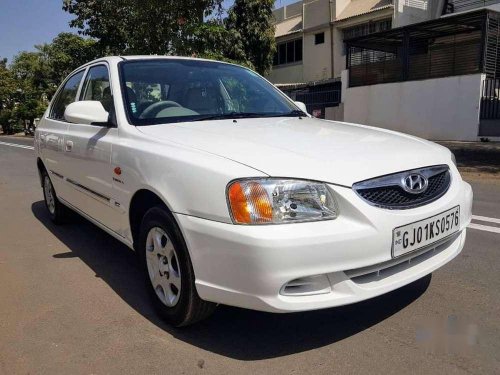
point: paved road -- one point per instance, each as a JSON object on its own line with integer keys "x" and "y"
{"x": 71, "y": 302}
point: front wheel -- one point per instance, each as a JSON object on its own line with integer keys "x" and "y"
{"x": 168, "y": 271}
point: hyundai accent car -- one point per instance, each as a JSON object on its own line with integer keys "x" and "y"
{"x": 230, "y": 193}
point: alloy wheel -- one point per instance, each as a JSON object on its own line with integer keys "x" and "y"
{"x": 163, "y": 266}
{"x": 49, "y": 195}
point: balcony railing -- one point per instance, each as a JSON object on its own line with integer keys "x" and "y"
{"x": 466, "y": 43}
{"x": 455, "y": 6}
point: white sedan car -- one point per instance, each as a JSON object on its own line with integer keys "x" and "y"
{"x": 230, "y": 193}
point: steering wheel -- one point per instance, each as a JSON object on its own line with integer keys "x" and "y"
{"x": 152, "y": 110}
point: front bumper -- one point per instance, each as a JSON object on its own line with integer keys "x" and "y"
{"x": 248, "y": 266}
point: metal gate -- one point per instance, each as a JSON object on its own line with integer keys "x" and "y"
{"x": 489, "y": 124}
{"x": 317, "y": 98}
{"x": 490, "y": 100}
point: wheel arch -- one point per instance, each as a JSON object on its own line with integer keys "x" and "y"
{"x": 40, "y": 169}
{"x": 142, "y": 200}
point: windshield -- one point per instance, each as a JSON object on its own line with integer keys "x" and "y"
{"x": 174, "y": 90}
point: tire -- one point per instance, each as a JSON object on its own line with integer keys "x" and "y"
{"x": 168, "y": 272}
{"x": 57, "y": 211}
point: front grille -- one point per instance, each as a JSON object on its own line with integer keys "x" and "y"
{"x": 383, "y": 270}
{"x": 388, "y": 192}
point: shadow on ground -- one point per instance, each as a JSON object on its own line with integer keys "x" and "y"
{"x": 232, "y": 332}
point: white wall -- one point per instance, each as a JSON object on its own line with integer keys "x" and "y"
{"x": 437, "y": 109}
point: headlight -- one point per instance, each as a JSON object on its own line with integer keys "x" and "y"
{"x": 453, "y": 159}
{"x": 277, "y": 201}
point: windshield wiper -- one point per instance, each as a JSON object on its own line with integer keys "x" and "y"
{"x": 237, "y": 115}
{"x": 230, "y": 115}
{"x": 294, "y": 113}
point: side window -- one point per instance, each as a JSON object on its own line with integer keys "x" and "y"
{"x": 96, "y": 86}
{"x": 66, "y": 96}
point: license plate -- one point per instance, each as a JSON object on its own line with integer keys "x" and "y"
{"x": 414, "y": 236}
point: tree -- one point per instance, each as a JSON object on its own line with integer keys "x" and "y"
{"x": 66, "y": 53}
{"x": 7, "y": 84}
{"x": 140, "y": 27}
{"x": 251, "y": 21}
{"x": 32, "y": 78}
{"x": 30, "y": 108}
{"x": 212, "y": 40}
{"x": 7, "y": 93}
{"x": 185, "y": 27}
{"x": 31, "y": 73}
{"x": 30, "y": 70}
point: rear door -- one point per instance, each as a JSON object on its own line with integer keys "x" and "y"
{"x": 88, "y": 153}
{"x": 52, "y": 132}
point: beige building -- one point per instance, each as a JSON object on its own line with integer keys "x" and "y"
{"x": 310, "y": 33}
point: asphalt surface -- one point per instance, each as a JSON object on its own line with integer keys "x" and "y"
{"x": 72, "y": 302}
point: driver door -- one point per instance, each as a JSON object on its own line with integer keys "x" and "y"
{"x": 87, "y": 152}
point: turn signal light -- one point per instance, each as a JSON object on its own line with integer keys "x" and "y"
{"x": 250, "y": 203}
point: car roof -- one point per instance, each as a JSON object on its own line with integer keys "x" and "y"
{"x": 149, "y": 57}
{"x": 116, "y": 59}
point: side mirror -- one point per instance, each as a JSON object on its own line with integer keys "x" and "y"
{"x": 87, "y": 112}
{"x": 301, "y": 106}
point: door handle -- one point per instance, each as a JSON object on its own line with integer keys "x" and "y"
{"x": 69, "y": 146}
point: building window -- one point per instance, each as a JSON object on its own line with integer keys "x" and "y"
{"x": 319, "y": 38}
{"x": 298, "y": 50}
{"x": 367, "y": 28}
{"x": 288, "y": 52}
{"x": 384, "y": 25}
{"x": 282, "y": 53}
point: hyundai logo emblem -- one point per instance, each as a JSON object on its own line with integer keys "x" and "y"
{"x": 414, "y": 183}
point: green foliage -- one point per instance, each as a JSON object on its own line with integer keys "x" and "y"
{"x": 211, "y": 40}
{"x": 31, "y": 73}
{"x": 140, "y": 26}
{"x": 7, "y": 85}
{"x": 66, "y": 53}
{"x": 8, "y": 89}
{"x": 185, "y": 27}
{"x": 29, "y": 82}
{"x": 251, "y": 21}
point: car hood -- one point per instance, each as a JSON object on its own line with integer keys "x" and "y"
{"x": 306, "y": 148}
